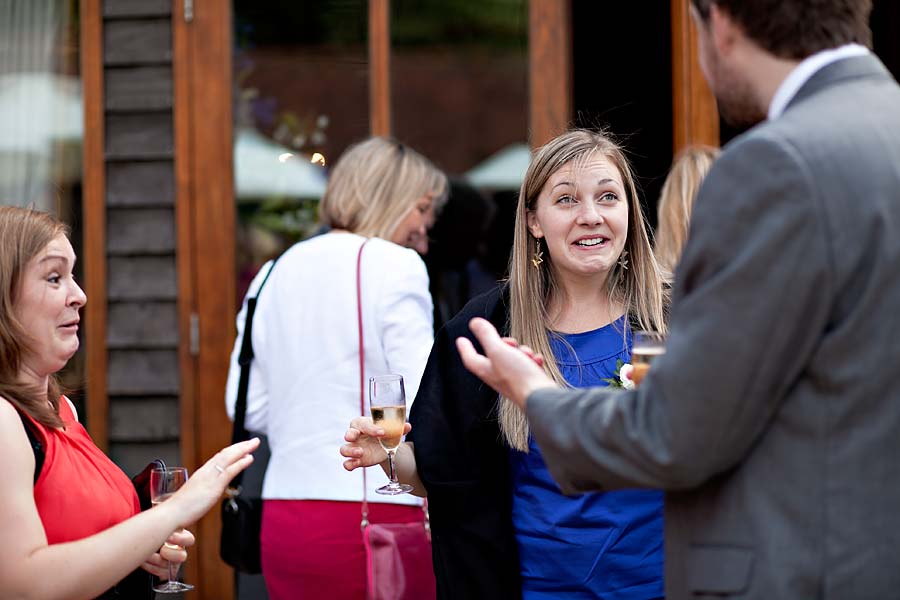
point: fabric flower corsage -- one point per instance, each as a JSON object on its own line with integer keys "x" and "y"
{"x": 622, "y": 378}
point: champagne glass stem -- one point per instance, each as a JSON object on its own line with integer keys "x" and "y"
{"x": 393, "y": 474}
{"x": 173, "y": 571}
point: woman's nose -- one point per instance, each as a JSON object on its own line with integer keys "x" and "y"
{"x": 588, "y": 214}
{"x": 78, "y": 297}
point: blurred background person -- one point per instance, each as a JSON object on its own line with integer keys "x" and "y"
{"x": 581, "y": 275}
{"x": 67, "y": 510}
{"x": 456, "y": 261}
{"x": 676, "y": 201}
{"x": 304, "y": 383}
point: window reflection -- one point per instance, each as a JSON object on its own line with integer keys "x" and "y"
{"x": 459, "y": 79}
{"x": 42, "y": 122}
{"x": 301, "y": 79}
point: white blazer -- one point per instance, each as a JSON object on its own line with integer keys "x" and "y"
{"x": 304, "y": 381}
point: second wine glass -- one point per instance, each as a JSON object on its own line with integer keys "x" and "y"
{"x": 387, "y": 401}
{"x": 164, "y": 483}
{"x": 647, "y": 346}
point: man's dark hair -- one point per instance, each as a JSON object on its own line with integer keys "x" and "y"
{"x": 795, "y": 29}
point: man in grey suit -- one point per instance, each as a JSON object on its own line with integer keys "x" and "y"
{"x": 773, "y": 421}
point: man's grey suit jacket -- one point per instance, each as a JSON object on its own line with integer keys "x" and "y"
{"x": 773, "y": 422}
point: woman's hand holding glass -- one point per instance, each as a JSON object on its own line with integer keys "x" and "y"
{"x": 163, "y": 485}
{"x": 191, "y": 499}
{"x": 363, "y": 447}
{"x": 174, "y": 551}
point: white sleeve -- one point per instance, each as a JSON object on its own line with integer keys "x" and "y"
{"x": 257, "y": 395}
{"x": 406, "y": 320}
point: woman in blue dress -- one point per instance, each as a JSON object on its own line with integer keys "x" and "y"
{"x": 582, "y": 275}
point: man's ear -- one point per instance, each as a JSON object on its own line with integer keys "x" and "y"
{"x": 722, "y": 29}
{"x": 533, "y": 226}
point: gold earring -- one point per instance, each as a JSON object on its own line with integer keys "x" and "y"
{"x": 623, "y": 260}
{"x": 538, "y": 257}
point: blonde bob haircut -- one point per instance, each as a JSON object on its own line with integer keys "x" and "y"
{"x": 638, "y": 287}
{"x": 24, "y": 233}
{"x": 676, "y": 202}
{"x": 375, "y": 184}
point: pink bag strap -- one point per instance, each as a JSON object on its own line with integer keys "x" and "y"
{"x": 362, "y": 393}
{"x": 362, "y": 371}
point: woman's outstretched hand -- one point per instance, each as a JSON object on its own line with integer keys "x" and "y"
{"x": 363, "y": 448}
{"x": 207, "y": 484}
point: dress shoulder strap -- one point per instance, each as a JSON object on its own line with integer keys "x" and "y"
{"x": 36, "y": 445}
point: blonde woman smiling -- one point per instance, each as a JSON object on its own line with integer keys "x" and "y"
{"x": 582, "y": 273}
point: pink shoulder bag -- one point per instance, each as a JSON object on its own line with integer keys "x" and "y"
{"x": 398, "y": 555}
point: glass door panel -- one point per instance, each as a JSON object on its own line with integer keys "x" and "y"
{"x": 42, "y": 122}
{"x": 301, "y": 97}
{"x": 459, "y": 79}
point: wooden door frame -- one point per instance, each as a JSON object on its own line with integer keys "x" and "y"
{"x": 380, "y": 68}
{"x": 695, "y": 117}
{"x": 94, "y": 218}
{"x": 549, "y": 69}
{"x": 205, "y": 223}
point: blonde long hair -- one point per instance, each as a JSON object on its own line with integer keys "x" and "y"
{"x": 676, "y": 202}
{"x": 638, "y": 288}
{"x": 23, "y": 234}
{"x": 375, "y": 183}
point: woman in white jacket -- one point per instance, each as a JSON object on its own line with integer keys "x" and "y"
{"x": 304, "y": 380}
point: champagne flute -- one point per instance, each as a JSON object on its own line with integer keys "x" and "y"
{"x": 387, "y": 400}
{"x": 646, "y": 347}
{"x": 164, "y": 483}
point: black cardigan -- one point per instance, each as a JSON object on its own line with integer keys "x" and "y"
{"x": 464, "y": 465}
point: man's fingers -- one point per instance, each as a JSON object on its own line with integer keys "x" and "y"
{"x": 485, "y": 333}
{"x": 474, "y": 362}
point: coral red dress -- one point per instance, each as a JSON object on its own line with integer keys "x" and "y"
{"x": 80, "y": 491}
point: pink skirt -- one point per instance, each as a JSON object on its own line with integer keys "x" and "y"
{"x": 314, "y": 548}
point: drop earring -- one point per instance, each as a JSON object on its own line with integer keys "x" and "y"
{"x": 623, "y": 260}
{"x": 538, "y": 257}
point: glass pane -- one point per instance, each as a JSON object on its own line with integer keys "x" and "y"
{"x": 459, "y": 79}
{"x": 301, "y": 79}
{"x": 41, "y": 119}
{"x": 625, "y": 84}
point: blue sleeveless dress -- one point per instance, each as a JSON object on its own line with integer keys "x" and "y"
{"x": 605, "y": 545}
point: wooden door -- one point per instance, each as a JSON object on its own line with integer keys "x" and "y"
{"x": 205, "y": 231}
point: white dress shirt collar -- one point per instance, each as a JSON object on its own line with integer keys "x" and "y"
{"x": 805, "y": 70}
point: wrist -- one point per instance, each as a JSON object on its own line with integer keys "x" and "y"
{"x": 171, "y": 512}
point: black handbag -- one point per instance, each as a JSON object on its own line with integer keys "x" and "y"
{"x": 138, "y": 585}
{"x": 241, "y": 514}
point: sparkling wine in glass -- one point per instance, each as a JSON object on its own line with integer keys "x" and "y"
{"x": 387, "y": 401}
{"x": 646, "y": 347}
{"x": 164, "y": 483}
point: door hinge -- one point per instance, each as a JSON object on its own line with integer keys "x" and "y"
{"x": 195, "y": 334}
{"x": 188, "y": 11}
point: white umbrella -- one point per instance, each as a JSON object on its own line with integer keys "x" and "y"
{"x": 38, "y": 110}
{"x": 263, "y": 168}
{"x": 503, "y": 170}
{"x": 41, "y": 127}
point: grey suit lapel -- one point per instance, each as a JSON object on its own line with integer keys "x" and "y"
{"x": 857, "y": 67}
